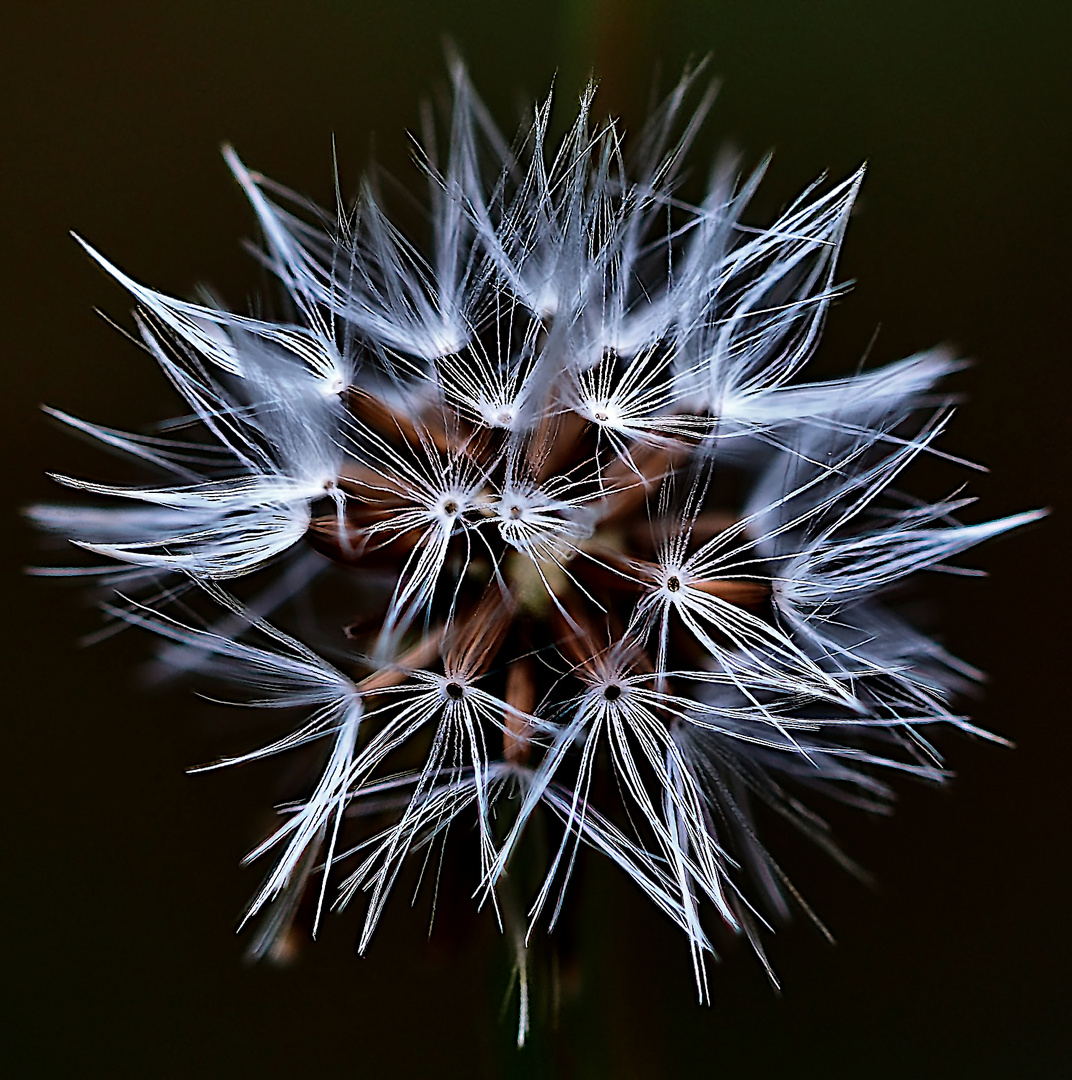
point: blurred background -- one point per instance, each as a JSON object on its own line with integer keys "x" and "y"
{"x": 122, "y": 883}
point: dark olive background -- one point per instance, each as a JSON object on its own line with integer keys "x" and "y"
{"x": 120, "y": 875}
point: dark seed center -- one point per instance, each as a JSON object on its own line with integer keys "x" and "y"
{"x": 673, "y": 583}
{"x": 450, "y": 506}
{"x": 612, "y": 692}
{"x": 455, "y": 691}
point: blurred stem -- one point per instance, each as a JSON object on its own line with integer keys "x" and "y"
{"x": 612, "y": 40}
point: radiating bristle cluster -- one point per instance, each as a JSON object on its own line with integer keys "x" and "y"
{"x": 605, "y": 558}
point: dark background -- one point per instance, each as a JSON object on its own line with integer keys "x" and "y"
{"x": 120, "y": 872}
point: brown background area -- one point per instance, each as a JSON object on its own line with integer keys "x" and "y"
{"x": 120, "y": 873}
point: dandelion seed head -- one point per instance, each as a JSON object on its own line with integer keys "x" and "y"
{"x": 561, "y": 464}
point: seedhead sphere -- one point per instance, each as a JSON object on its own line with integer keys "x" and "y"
{"x": 604, "y": 557}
